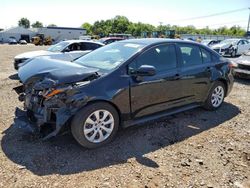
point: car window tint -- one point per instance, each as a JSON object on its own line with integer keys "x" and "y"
{"x": 161, "y": 57}
{"x": 191, "y": 54}
{"x": 206, "y": 56}
{"x": 74, "y": 47}
{"x": 245, "y": 42}
{"x": 89, "y": 46}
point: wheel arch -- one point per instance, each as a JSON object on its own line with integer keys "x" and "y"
{"x": 225, "y": 84}
{"x": 105, "y": 101}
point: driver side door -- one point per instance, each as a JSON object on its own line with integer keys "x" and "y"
{"x": 151, "y": 94}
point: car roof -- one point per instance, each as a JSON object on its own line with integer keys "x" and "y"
{"x": 234, "y": 39}
{"x": 151, "y": 41}
{"x": 88, "y": 41}
{"x": 106, "y": 38}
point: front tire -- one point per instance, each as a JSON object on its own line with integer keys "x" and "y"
{"x": 216, "y": 96}
{"x": 95, "y": 125}
{"x": 234, "y": 53}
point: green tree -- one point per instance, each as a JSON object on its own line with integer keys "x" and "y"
{"x": 52, "y": 25}
{"x": 24, "y": 22}
{"x": 88, "y": 28}
{"x": 121, "y": 24}
{"x": 37, "y": 24}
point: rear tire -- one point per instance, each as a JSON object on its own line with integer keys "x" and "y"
{"x": 216, "y": 96}
{"x": 95, "y": 125}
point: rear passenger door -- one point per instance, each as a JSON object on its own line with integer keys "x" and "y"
{"x": 195, "y": 72}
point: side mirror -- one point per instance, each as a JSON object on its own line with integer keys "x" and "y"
{"x": 145, "y": 70}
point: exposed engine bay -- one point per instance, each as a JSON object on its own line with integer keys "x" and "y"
{"x": 49, "y": 104}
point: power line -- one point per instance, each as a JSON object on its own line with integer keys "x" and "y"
{"x": 212, "y": 15}
{"x": 239, "y": 21}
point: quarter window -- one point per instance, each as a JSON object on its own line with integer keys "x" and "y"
{"x": 191, "y": 55}
{"x": 206, "y": 56}
{"x": 161, "y": 57}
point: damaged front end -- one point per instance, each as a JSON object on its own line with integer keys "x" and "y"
{"x": 49, "y": 106}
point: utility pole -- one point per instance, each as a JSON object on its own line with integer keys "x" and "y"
{"x": 248, "y": 20}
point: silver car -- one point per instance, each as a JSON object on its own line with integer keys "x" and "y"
{"x": 65, "y": 50}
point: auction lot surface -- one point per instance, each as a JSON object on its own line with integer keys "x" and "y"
{"x": 196, "y": 148}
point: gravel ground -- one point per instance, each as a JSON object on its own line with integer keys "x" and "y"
{"x": 196, "y": 148}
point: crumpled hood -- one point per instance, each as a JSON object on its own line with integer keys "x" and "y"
{"x": 28, "y": 55}
{"x": 223, "y": 46}
{"x": 60, "y": 71}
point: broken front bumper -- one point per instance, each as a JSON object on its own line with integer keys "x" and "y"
{"x": 242, "y": 73}
{"x": 41, "y": 116}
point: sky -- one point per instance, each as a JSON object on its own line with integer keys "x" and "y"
{"x": 73, "y": 13}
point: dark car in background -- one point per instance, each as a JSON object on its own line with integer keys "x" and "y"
{"x": 108, "y": 40}
{"x": 12, "y": 41}
{"x": 122, "y": 84}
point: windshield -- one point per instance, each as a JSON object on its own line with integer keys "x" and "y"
{"x": 58, "y": 47}
{"x": 205, "y": 41}
{"x": 229, "y": 41}
{"x": 111, "y": 56}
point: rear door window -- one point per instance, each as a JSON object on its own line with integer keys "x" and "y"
{"x": 206, "y": 56}
{"x": 191, "y": 55}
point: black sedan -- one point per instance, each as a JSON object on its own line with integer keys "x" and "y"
{"x": 122, "y": 84}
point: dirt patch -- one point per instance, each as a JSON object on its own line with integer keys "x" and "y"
{"x": 196, "y": 148}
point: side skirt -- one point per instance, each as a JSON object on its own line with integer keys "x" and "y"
{"x": 159, "y": 115}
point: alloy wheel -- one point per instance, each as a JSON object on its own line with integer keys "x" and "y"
{"x": 217, "y": 96}
{"x": 98, "y": 126}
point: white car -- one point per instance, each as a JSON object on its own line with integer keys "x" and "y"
{"x": 232, "y": 47}
{"x": 65, "y": 50}
{"x": 22, "y": 42}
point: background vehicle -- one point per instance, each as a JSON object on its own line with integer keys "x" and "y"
{"x": 170, "y": 34}
{"x": 22, "y": 42}
{"x": 123, "y": 84}
{"x": 40, "y": 39}
{"x": 121, "y": 35}
{"x": 232, "y": 47}
{"x": 12, "y": 41}
{"x": 209, "y": 42}
{"x": 242, "y": 68}
{"x": 65, "y": 50}
{"x": 108, "y": 40}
